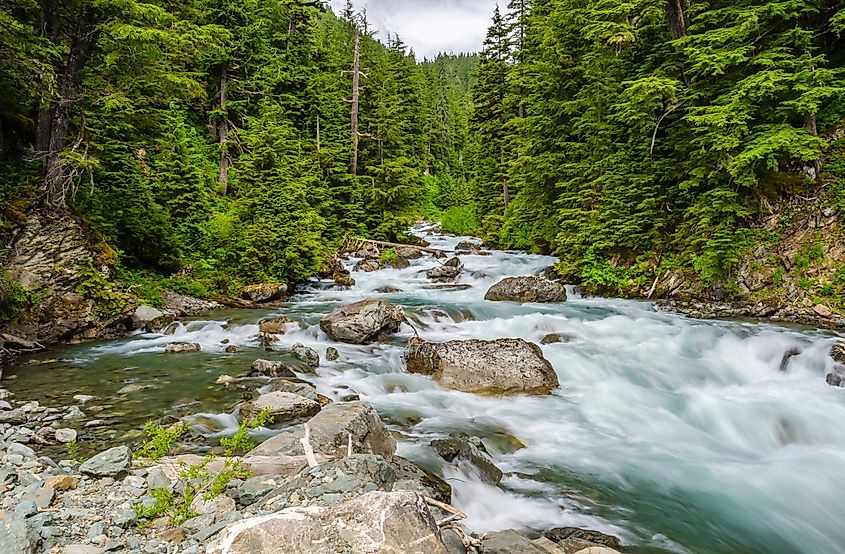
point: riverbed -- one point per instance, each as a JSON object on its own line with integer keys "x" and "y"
{"x": 671, "y": 433}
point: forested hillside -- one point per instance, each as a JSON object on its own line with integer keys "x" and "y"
{"x": 213, "y": 140}
{"x": 217, "y": 143}
{"x": 633, "y": 138}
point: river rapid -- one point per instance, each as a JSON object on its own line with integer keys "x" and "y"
{"x": 674, "y": 434}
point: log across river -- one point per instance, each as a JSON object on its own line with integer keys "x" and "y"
{"x": 674, "y": 434}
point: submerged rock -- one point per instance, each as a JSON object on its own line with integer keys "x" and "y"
{"x": 274, "y": 325}
{"x": 362, "y": 321}
{"x": 283, "y": 406}
{"x": 330, "y": 430}
{"x": 464, "y": 448}
{"x": 383, "y": 522}
{"x": 263, "y": 293}
{"x": 449, "y": 271}
{"x": 332, "y": 354}
{"x": 503, "y": 366}
{"x": 110, "y": 463}
{"x": 558, "y": 338}
{"x": 182, "y": 347}
{"x": 526, "y": 289}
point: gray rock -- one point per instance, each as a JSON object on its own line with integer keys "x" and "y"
{"x": 16, "y": 537}
{"x": 449, "y": 271}
{"x": 411, "y": 477}
{"x": 368, "y": 265}
{"x": 509, "y": 542}
{"x": 65, "y": 436}
{"x": 283, "y": 406}
{"x": 272, "y": 369}
{"x": 125, "y": 518}
{"x": 198, "y": 523}
{"x": 82, "y": 549}
{"x": 42, "y": 496}
{"x": 256, "y": 488}
{"x": 157, "y": 479}
{"x": 386, "y": 522}
{"x": 572, "y": 538}
{"x": 305, "y": 354}
{"x": 96, "y": 529}
{"x": 24, "y": 451}
{"x": 305, "y": 390}
{"x": 151, "y": 319}
{"x": 465, "y": 449}
{"x": 362, "y": 322}
{"x": 110, "y": 463}
{"x": 263, "y": 293}
{"x": 26, "y": 508}
{"x": 185, "y": 306}
{"x": 332, "y": 354}
{"x": 182, "y": 347}
{"x": 526, "y": 289}
{"x": 503, "y": 366}
{"x": 274, "y": 325}
{"x": 330, "y": 430}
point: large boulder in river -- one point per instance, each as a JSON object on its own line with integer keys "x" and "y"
{"x": 368, "y": 265}
{"x": 151, "y": 319}
{"x": 503, "y": 366}
{"x": 384, "y": 522}
{"x": 449, "y": 271}
{"x": 283, "y": 406}
{"x": 181, "y": 305}
{"x": 362, "y": 321}
{"x": 274, "y": 325}
{"x": 269, "y": 368}
{"x": 526, "y": 289}
{"x": 329, "y": 434}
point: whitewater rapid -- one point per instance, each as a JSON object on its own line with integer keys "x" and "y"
{"x": 668, "y": 432}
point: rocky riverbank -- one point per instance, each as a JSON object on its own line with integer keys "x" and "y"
{"x": 356, "y": 495}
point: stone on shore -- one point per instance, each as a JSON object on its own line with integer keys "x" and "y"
{"x": 497, "y": 367}
{"x": 263, "y": 293}
{"x": 526, "y": 289}
{"x": 383, "y": 522}
{"x": 283, "y": 406}
{"x": 181, "y": 305}
{"x": 110, "y": 463}
{"x": 329, "y": 434}
{"x": 150, "y": 319}
{"x": 363, "y": 321}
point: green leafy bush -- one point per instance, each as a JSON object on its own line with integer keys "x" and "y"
{"x": 460, "y": 220}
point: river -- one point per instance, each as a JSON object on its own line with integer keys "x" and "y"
{"x": 674, "y": 434}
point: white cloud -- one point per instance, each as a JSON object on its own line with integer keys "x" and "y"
{"x": 430, "y": 26}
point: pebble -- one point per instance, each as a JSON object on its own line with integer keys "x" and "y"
{"x": 65, "y": 436}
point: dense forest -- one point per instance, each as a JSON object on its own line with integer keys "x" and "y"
{"x": 215, "y": 143}
{"x": 240, "y": 140}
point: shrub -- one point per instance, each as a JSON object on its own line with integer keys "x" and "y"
{"x": 460, "y": 220}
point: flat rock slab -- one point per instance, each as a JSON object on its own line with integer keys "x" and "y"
{"x": 330, "y": 431}
{"x": 377, "y": 522}
{"x": 283, "y": 406}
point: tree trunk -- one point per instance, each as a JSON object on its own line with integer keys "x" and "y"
{"x": 224, "y": 134}
{"x": 811, "y": 126}
{"x": 356, "y": 96}
{"x": 56, "y": 175}
{"x": 675, "y": 15}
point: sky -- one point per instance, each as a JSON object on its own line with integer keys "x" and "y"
{"x": 430, "y": 26}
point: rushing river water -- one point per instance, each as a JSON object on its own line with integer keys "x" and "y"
{"x": 674, "y": 434}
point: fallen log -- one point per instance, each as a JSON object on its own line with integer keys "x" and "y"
{"x": 355, "y": 243}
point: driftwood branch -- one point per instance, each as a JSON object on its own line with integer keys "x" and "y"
{"x": 382, "y": 244}
{"x": 309, "y": 451}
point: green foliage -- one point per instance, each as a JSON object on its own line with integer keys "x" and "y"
{"x": 777, "y": 279}
{"x": 159, "y": 441}
{"x": 460, "y": 220}
{"x": 164, "y": 502}
{"x": 805, "y": 283}
{"x": 14, "y": 299}
{"x": 73, "y": 451}
{"x": 601, "y": 274}
{"x": 389, "y": 256}
{"x": 240, "y": 441}
{"x": 93, "y": 286}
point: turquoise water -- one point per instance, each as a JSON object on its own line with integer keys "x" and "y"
{"x": 671, "y": 433}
